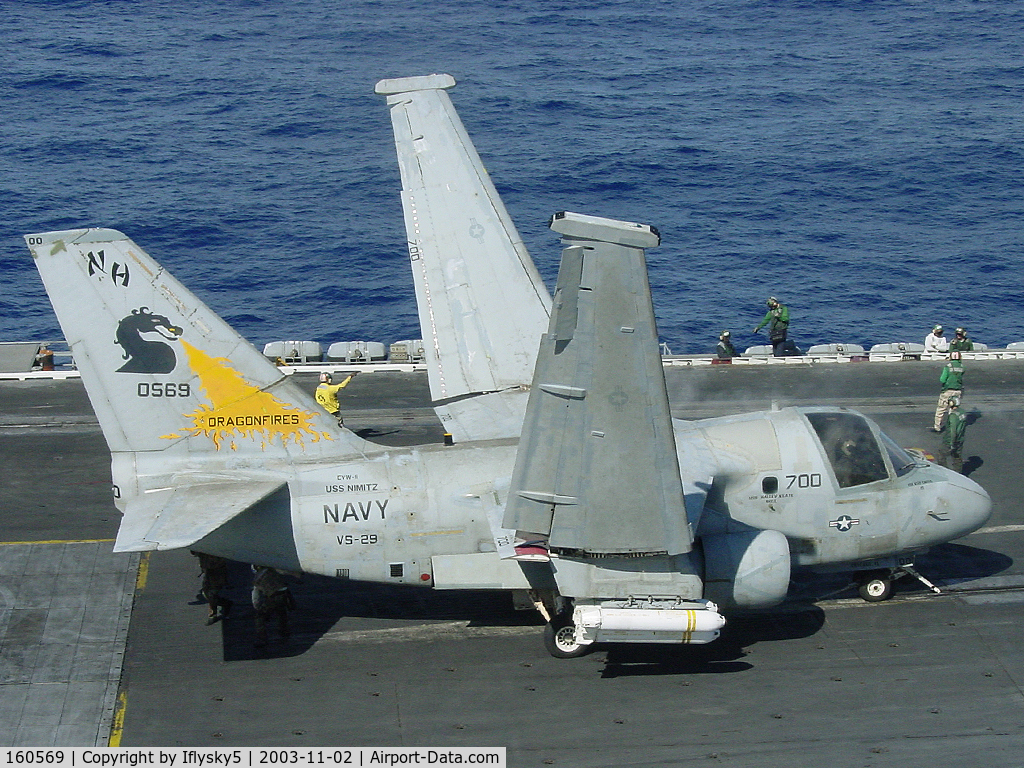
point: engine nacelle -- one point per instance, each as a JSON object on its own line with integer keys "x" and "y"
{"x": 746, "y": 569}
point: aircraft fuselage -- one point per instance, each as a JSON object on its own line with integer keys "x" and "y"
{"x": 430, "y": 515}
{"x": 871, "y": 501}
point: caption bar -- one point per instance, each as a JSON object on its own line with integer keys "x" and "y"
{"x": 176, "y": 757}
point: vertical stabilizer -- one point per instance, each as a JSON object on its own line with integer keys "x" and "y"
{"x": 482, "y": 303}
{"x": 596, "y": 470}
{"x": 163, "y": 372}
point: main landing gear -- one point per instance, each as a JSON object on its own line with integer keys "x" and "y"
{"x": 876, "y": 586}
{"x": 560, "y": 638}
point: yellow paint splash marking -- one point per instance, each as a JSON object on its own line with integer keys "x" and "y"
{"x": 238, "y": 409}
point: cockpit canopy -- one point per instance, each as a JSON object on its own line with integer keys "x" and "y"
{"x": 855, "y": 453}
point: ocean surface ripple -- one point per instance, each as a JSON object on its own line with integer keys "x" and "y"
{"x": 859, "y": 159}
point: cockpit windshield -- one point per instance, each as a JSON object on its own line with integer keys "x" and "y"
{"x": 902, "y": 461}
{"x": 851, "y": 447}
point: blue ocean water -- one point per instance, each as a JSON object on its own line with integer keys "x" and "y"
{"x": 859, "y": 159}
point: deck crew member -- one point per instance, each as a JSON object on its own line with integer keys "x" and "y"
{"x": 327, "y": 395}
{"x": 935, "y": 341}
{"x": 960, "y": 342}
{"x": 725, "y": 349}
{"x": 777, "y": 320}
{"x": 952, "y": 382}
{"x": 270, "y": 598}
{"x": 953, "y": 435}
{"x": 214, "y": 571}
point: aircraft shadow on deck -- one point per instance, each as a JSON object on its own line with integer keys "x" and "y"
{"x": 322, "y": 602}
{"x": 723, "y": 656}
{"x": 957, "y": 563}
{"x": 946, "y": 565}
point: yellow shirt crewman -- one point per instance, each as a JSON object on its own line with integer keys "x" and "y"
{"x": 327, "y": 395}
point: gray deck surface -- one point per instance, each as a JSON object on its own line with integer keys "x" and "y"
{"x": 826, "y": 680}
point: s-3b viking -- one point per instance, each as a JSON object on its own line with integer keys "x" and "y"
{"x": 568, "y": 480}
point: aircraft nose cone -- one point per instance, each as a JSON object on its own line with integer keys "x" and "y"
{"x": 970, "y": 505}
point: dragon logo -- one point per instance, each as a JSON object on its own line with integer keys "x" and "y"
{"x": 145, "y": 355}
{"x": 230, "y": 407}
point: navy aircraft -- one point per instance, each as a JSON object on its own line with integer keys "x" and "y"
{"x": 566, "y": 481}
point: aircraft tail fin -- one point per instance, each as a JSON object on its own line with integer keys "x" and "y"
{"x": 163, "y": 372}
{"x": 482, "y": 304}
{"x": 596, "y": 471}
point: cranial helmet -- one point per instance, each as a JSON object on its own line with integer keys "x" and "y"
{"x": 325, "y": 378}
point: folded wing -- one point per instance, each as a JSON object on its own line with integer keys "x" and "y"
{"x": 596, "y": 470}
{"x": 482, "y": 303}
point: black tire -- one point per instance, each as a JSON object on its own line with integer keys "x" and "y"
{"x": 560, "y": 641}
{"x": 875, "y": 588}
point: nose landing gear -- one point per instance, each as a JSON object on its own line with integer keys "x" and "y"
{"x": 876, "y": 586}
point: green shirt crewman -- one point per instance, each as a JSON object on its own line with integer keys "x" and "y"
{"x": 953, "y": 435}
{"x": 777, "y": 320}
{"x": 952, "y": 381}
{"x": 960, "y": 342}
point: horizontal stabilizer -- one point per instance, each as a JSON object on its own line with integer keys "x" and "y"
{"x": 596, "y": 470}
{"x": 178, "y": 516}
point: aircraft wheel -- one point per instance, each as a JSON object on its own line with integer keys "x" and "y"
{"x": 560, "y": 639}
{"x": 876, "y": 588}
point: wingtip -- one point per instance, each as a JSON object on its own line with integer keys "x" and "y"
{"x": 408, "y": 84}
{"x": 579, "y": 226}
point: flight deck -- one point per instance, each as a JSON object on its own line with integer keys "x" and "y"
{"x": 113, "y": 649}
